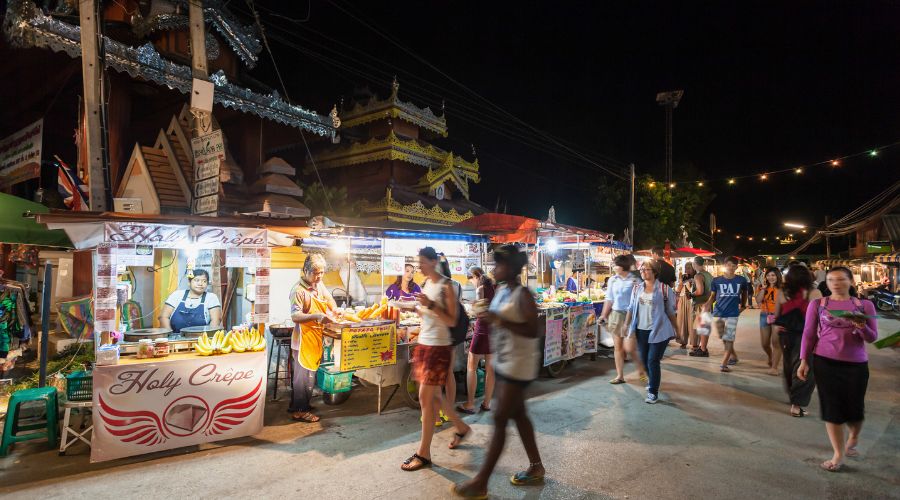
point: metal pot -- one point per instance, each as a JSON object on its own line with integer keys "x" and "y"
{"x": 147, "y": 333}
{"x": 193, "y": 332}
{"x": 281, "y": 331}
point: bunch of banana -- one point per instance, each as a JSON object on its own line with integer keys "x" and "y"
{"x": 219, "y": 343}
{"x": 243, "y": 340}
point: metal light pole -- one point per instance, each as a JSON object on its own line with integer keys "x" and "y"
{"x": 669, "y": 100}
{"x": 631, "y": 207}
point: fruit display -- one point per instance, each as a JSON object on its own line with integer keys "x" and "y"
{"x": 237, "y": 340}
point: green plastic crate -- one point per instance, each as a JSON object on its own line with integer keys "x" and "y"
{"x": 332, "y": 381}
{"x": 80, "y": 386}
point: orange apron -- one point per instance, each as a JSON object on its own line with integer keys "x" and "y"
{"x": 310, "y": 354}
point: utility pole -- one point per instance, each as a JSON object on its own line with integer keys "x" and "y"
{"x": 669, "y": 100}
{"x": 92, "y": 75}
{"x": 631, "y": 207}
{"x": 827, "y": 240}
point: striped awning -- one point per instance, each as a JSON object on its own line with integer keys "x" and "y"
{"x": 837, "y": 262}
{"x": 888, "y": 258}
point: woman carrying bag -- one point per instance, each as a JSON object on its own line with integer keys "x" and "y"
{"x": 652, "y": 319}
{"x": 790, "y": 319}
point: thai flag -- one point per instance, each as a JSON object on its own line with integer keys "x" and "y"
{"x": 73, "y": 189}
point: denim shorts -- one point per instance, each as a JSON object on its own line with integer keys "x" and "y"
{"x": 763, "y": 322}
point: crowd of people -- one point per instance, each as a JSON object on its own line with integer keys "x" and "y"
{"x": 811, "y": 340}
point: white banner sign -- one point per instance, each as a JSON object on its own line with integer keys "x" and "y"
{"x": 155, "y": 235}
{"x": 143, "y": 408}
{"x": 229, "y": 237}
{"x": 20, "y": 154}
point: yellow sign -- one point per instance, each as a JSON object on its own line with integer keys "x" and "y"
{"x": 368, "y": 346}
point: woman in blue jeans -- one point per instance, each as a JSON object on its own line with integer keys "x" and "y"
{"x": 652, "y": 320}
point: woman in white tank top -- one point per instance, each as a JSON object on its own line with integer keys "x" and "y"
{"x": 514, "y": 341}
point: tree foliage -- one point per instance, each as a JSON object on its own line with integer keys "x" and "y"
{"x": 316, "y": 197}
{"x": 659, "y": 212}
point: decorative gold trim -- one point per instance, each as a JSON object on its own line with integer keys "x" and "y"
{"x": 416, "y": 212}
{"x": 393, "y": 107}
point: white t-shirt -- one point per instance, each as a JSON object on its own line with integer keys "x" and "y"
{"x": 211, "y": 302}
{"x": 515, "y": 357}
{"x": 645, "y": 311}
{"x": 434, "y": 332}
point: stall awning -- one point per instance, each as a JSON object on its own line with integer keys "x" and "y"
{"x": 838, "y": 262}
{"x": 699, "y": 252}
{"x": 505, "y": 228}
{"x": 888, "y": 258}
{"x": 379, "y": 228}
{"x": 617, "y": 245}
{"x": 16, "y": 228}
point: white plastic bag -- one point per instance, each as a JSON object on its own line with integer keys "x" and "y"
{"x": 705, "y": 322}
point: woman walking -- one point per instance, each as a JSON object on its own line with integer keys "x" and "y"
{"x": 685, "y": 318}
{"x": 652, "y": 320}
{"x": 614, "y": 314}
{"x": 834, "y": 343}
{"x": 431, "y": 358}
{"x": 514, "y": 341}
{"x": 480, "y": 346}
{"x": 766, "y": 297}
{"x": 790, "y": 319}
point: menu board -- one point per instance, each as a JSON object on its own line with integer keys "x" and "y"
{"x": 368, "y": 347}
{"x": 557, "y": 322}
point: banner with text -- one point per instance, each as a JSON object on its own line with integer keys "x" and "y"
{"x": 556, "y": 336}
{"x": 367, "y": 347}
{"x": 143, "y": 408}
{"x": 20, "y": 155}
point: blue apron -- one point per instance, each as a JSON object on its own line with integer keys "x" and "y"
{"x": 184, "y": 317}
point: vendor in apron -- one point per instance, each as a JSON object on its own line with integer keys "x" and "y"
{"x": 311, "y": 308}
{"x": 192, "y": 307}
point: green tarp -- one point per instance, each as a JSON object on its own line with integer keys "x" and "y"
{"x": 17, "y": 229}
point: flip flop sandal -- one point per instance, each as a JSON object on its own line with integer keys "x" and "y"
{"x": 724, "y": 369}
{"x": 305, "y": 417}
{"x": 732, "y": 362}
{"x": 484, "y": 408}
{"x": 464, "y": 493}
{"x": 798, "y": 415}
{"x": 461, "y": 409}
{"x": 852, "y": 452}
{"x": 459, "y": 439}
{"x": 408, "y": 463}
{"x": 830, "y": 467}
{"x": 523, "y": 479}
{"x": 617, "y": 381}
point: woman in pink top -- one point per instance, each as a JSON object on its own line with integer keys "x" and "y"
{"x": 836, "y": 349}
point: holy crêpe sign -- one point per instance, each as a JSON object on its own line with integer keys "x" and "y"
{"x": 174, "y": 236}
{"x": 142, "y": 408}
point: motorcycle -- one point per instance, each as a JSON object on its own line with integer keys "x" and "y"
{"x": 885, "y": 300}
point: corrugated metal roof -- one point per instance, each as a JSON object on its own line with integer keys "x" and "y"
{"x": 892, "y": 226}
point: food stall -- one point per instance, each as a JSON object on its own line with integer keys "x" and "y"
{"x": 364, "y": 258}
{"x": 154, "y": 389}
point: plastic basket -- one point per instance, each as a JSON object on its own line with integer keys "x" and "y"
{"x": 332, "y": 381}
{"x": 80, "y": 386}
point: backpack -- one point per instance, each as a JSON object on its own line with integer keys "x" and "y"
{"x": 461, "y": 328}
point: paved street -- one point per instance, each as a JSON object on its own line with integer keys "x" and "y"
{"x": 713, "y": 435}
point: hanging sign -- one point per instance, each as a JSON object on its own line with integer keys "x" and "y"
{"x": 208, "y": 147}
{"x": 20, "y": 155}
{"x": 142, "y": 408}
{"x": 138, "y": 233}
{"x": 105, "y": 279}
{"x": 207, "y": 170}
{"x": 208, "y": 205}
{"x": 206, "y": 187}
{"x": 129, "y": 254}
{"x": 367, "y": 347}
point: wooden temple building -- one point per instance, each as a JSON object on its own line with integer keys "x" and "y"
{"x": 387, "y": 158}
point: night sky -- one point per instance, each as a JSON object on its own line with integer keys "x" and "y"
{"x": 768, "y": 85}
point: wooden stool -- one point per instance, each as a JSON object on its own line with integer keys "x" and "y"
{"x": 85, "y": 408}
{"x": 50, "y": 427}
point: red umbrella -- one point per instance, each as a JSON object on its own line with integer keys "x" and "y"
{"x": 695, "y": 251}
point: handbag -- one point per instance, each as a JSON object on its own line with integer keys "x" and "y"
{"x": 792, "y": 322}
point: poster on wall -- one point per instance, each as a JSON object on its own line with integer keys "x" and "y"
{"x": 105, "y": 296}
{"x": 578, "y": 317}
{"x": 592, "y": 330}
{"x": 149, "y": 407}
{"x": 393, "y": 265}
{"x": 557, "y": 321}
{"x": 20, "y": 155}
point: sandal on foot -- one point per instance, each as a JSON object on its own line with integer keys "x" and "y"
{"x": 410, "y": 463}
{"x": 458, "y": 439}
{"x": 463, "y": 492}
{"x": 830, "y": 467}
{"x": 724, "y": 369}
{"x": 852, "y": 452}
{"x": 617, "y": 381}
{"x": 467, "y": 411}
{"x": 305, "y": 416}
{"x": 801, "y": 413}
{"x": 524, "y": 479}
{"x": 484, "y": 408}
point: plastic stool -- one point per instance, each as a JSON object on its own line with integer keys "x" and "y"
{"x": 282, "y": 345}
{"x": 85, "y": 408}
{"x": 12, "y": 428}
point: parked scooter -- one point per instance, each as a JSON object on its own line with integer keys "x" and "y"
{"x": 885, "y": 300}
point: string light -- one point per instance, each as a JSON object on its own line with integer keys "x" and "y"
{"x": 874, "y": 152}
{"x": 798, "y": 170}
{"x": 750, "y": 238}
{"x": 737, "y": 236}
{"x": 652, "y": 184}
{"x": 700, "y": 184}
{"x": 763, "y": 177}
{"x": 672, "y": 186}
{"x": 731, "y": 181}
{"x": 764, "y": 239}
{"x": 835, "y": 163}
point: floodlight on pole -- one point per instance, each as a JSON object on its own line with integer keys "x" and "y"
{"x": 669, "y": 100}
{"x": 794, "y": 225}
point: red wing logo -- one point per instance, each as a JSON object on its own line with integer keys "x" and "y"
{"x": 232, "y": 412}
{"x": 139, "y": 427}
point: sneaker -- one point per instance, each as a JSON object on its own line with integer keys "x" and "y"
{"x": 732, "y": 362}
{"x": 651, "y": 399}
{"x": 704, "y": 354}
{"x": 695, "y": 352}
